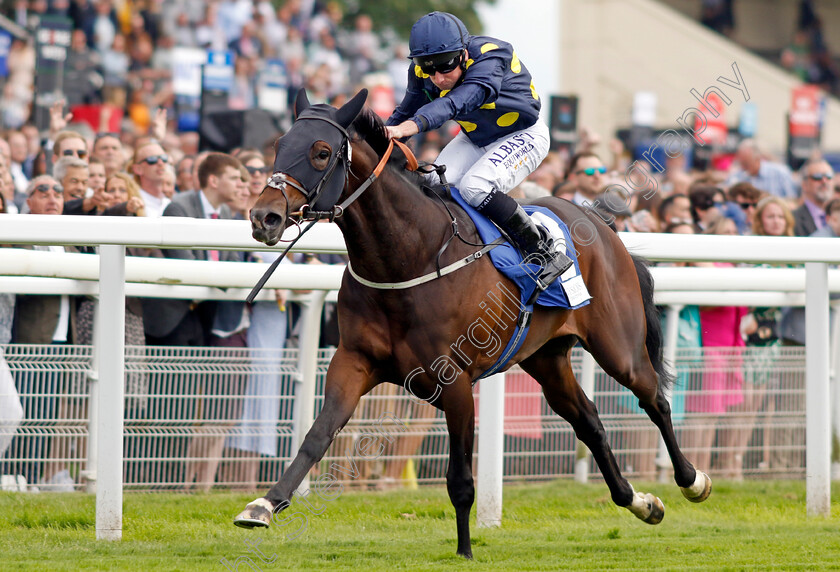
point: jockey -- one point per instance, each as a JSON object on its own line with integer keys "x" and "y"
{"x": 479, "y": 82}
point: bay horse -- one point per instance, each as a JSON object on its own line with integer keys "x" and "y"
{"x": 394, "y": 232}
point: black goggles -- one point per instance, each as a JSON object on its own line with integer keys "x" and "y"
{"x": 442, "y": 63}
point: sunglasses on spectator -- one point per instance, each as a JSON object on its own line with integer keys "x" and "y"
{"x": 591, "y": 171}
{"x": 153, "y": 159}
{"x": 257, "y": 170}
{"x": 746, "y": 206}
{"x": 81, "y": 153}
{"x": 45, "y": 188}
{"x": 430, "y": 68}
{"x": 710, "y": 204}
{"x": 821, "y": 177}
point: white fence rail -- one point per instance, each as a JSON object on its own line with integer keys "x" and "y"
{"x": 178, "y": 399}
{"x": 193, "y": 233}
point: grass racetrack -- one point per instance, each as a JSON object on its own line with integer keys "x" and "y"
{"x": 759, "y": 525}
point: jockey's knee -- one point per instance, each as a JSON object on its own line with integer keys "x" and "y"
{"x": 474, "y": 189}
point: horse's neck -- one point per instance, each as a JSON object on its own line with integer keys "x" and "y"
{"x": 393, "y": 231}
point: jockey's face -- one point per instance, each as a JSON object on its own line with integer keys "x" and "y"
{"x": 446, "y": 80}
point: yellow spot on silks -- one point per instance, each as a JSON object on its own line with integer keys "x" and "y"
{"x": 419, "y": 72}
{"x": 515, "y": 65}
{"x": 488, "y": 106}
{"x": 469, "y": 63}
{"x": 444, "y": 92}
{"x": 487, "y": 47}
{"x": 534, "y": 92}
{"x": 507, "y": 119}
{"x": 467, "y": 126}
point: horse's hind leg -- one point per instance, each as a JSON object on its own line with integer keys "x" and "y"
{"x": 348, "y": 379}
{"x": 551, "y": 367}
{"x": 632, "y": 368}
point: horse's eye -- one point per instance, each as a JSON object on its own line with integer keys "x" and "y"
{"x": 324, "y": 155}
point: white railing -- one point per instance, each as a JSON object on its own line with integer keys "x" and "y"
{"x": 113, "y": 234}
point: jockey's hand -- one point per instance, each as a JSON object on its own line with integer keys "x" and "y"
{"x": 404, "y": 129}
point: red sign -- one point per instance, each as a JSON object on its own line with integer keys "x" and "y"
{"x": 382, "y": 100}
{"x": 715, "y": 131}
{"x": 105, "y": 118}
{"x": 805, "y": 111}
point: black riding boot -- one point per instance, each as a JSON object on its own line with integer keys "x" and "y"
{"x": 533, "y": 241}
{"x": 537, "y": 246}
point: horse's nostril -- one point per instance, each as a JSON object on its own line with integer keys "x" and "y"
{"x": 271, "y": 220}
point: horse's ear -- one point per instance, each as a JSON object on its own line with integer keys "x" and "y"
{"x": 351, "y": 109}
{"x": 301, "y": 103}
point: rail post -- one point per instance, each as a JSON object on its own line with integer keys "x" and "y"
{"x": 817, "y": 403}
{"x": 491, "y": 449}
{"x": 304, "y": 408}
{"x": 111, "y": 367}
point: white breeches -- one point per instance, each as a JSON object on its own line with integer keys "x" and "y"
{"x": 501, "y": 165}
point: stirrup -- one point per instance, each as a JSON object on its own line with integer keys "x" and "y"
{"x": 556, "y": 264}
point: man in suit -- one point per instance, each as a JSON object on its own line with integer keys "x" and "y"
{"x": 47, "y": 320}
{"x": 185, "y": 323}
{"x": 180, "y": 322}
{"x": 817, "y": 176}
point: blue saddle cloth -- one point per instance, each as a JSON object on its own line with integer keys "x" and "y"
{"x": 509, "y": 262}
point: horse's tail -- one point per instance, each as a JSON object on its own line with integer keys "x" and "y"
{"x": 653, "y": 340}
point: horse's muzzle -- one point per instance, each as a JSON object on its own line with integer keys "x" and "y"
{"x": 266, "y": 225}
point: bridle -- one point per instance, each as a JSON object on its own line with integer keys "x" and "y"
{"x": 279, "y": 181}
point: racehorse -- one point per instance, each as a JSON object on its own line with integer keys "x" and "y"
{"x": 395, "y": 327}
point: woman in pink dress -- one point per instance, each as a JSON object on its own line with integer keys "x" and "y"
{"x": 722, "y": 385}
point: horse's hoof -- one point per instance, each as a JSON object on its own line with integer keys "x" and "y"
{"x": 647, "y": 508}
{"x": 700, "y": 490}
{"x": 657, "y": 510}
{"x": 255, "y": 515}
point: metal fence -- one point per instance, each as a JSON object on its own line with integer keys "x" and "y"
{"x": 203, "y": 417}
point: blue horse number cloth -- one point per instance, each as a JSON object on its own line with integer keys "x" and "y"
{"x": 508, "y": 261}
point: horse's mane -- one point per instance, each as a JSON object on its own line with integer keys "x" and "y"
{"x": 370, "y": 127}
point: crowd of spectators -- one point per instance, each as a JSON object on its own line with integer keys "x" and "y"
{"x": 123, "y": 51}
{"x": 121, "y": 60}
{"x": 755, "y": 195}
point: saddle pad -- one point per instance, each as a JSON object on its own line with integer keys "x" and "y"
{"x": 509, "y": 262}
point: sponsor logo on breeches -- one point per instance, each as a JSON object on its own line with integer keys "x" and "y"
{"x": 512, "y": 152}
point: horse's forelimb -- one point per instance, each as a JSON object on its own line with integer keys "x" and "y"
{"x": 460, "y": 420}
{"x": 347, "y": 381}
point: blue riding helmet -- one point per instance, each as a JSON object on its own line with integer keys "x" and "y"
{"x": 437, "y": 34}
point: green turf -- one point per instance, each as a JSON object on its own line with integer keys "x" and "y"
{"x": 558, "y": 526}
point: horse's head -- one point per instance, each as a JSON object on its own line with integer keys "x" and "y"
{"x": 312, "y": 161}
